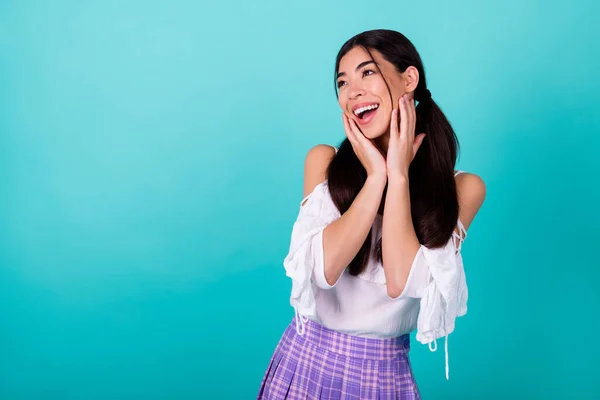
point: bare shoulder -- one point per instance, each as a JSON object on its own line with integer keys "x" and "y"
{"x": 471, "y": 191}
{"x": 470, "y": 185}
{"x": 315, "y": 166}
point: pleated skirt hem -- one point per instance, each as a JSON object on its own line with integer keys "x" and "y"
{"x": 328, "y": 365}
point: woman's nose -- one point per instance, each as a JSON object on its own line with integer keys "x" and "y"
{"x": 356, "y": 90}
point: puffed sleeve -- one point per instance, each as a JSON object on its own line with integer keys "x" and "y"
{"x": 437, "y": 278}
{"x": 304, "y": 261}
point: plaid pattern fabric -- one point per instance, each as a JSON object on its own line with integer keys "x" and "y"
{"x": 326, "y": 364}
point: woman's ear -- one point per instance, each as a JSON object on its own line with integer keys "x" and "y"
{"x": 411, "y": 79}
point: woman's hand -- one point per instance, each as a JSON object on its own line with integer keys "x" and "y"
{"x": 403, "y": 145}
{"x": 365, "y": 149}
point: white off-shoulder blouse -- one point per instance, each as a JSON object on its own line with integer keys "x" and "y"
{"x": 435, "y": 293}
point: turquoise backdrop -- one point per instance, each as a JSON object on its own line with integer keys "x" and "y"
{"x": 151, "y": 157}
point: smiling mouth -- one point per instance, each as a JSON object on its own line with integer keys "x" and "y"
{"x": 365, "y": 114}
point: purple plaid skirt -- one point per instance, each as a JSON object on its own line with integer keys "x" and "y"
{"x": 325, "y": 364}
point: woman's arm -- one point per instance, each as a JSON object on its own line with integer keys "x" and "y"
{"x": 343, "y": 238}
{"x": 399, "y": 241}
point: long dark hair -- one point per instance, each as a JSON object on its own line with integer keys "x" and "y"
{"x": 433, "y": 196}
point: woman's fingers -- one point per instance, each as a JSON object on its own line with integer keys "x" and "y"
{"x": 413, "y": 111}
{"x": 403, "y": 118}
{"x": 418, "y": 142}
{"x": 394, "y": 124}
{"x": 408, "y": 118}
{"x": 410, "y": 105}
{"x": 354, "y": 134}
{"x": 349, "y": 132}
{"x": 357, "y": 133}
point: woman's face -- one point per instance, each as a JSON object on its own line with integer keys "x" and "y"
{"x": 363, "y": 94}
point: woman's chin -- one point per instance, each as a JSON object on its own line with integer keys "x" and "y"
{"x": 374, "y": 133}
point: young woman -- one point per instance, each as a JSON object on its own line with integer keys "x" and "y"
{"x": 375, "y": 250}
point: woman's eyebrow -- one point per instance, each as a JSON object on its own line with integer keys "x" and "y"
{"x": 362, "y": 64}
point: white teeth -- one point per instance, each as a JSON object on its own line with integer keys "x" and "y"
{"x": 361, "y": 110}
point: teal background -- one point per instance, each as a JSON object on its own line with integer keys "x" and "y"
{"x": 151, "y": 159}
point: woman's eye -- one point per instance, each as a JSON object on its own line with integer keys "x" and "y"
{"x": 367, "y": 72}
